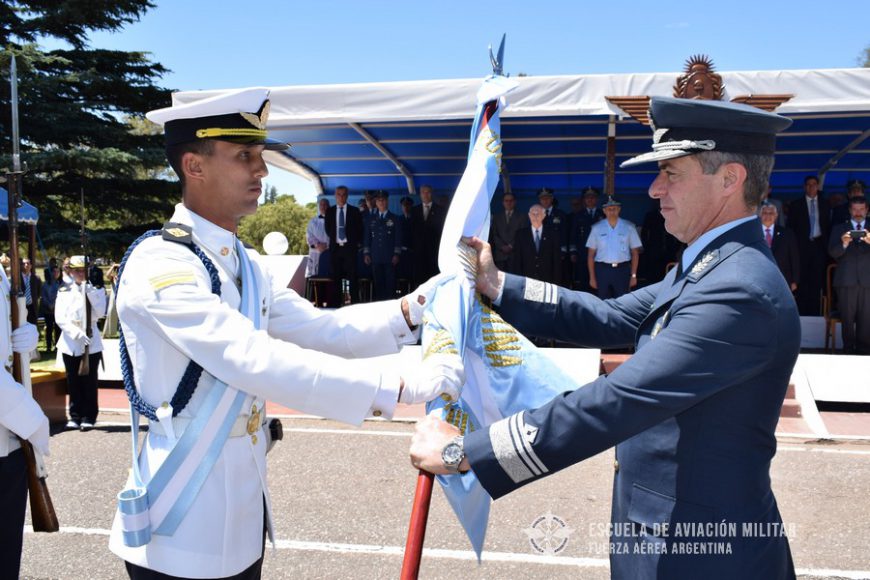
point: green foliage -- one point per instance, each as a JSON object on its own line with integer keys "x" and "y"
{"x": 866, "y": 57}
{"x": 82, "y": 121}
{"x": 283, "y": 215}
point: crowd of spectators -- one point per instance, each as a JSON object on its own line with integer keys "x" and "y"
{"x": 368, "y": 252}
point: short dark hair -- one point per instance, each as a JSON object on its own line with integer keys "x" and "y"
{"x": 810, "y": 177}
{"x": 758, "y": 168}
{"x": 174, "y": 154}
{"x": 857, "y": 199}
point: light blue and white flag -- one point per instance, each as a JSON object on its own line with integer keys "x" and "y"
{"x": 505, "y": 373}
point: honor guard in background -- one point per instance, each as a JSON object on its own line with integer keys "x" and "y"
{"x": 201, "y": 319}
{"x": 20, "y": 416}
{"x": 581, "y": 224}
{"x": 405, "y": 270}
{"x": 382, "y": 246}
{"x": 77, "y": 304}
{"x": 613, "y": 251}
{"x": 693, "y": 412}
{"x": 318, "y": 242}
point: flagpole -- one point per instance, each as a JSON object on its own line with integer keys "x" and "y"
{"x": 417, "y": 526}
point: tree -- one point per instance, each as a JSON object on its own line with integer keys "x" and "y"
{"x": 283, "y": 215}
{"x": 271, "y": 194}
{"x": 866, "y": 57}
{"x": 82, "y": 124}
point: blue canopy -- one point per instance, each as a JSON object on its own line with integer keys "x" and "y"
{"x": 398, "y": 136}
{"x": 27, "y": 214}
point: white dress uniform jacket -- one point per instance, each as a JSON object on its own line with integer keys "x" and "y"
{"x": 69, "y": 312}
{"x": 169, "y": 316}
{"x": 19, "y": 413}
{"x": 315, "y": 234}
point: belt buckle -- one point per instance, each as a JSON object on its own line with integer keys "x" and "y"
{"x": 614, "y": 265}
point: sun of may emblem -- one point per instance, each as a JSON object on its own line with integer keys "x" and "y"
{"x": 548, "y": 534}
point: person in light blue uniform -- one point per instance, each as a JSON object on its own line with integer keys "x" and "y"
{"x": 693, "y": 412}
{"x": 382, "y": 247}
{"x": 613, "y": 252}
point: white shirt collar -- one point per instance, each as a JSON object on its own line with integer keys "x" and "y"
{"x": 691, "y": 252}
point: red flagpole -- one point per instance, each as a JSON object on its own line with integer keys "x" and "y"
{"x": 417, "y": 526}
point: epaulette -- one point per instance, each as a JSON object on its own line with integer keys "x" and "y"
{"x": 178, "y": 233}
{"x": 65, "y": 288}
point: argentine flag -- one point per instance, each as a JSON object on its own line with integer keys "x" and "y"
{"x": 505, "y": 373}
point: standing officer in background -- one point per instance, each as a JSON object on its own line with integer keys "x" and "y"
{"x": 536, "y": 252}
{"x": 76, "y": 302}
{"x": 382, "y": 246}
{"x": 428, "y": 221}
{"x": 782, "y": 243}
{"x": 503, "y": 232}
{"x": 318, "y": 242}
{"x": 850, "y": 246}
{"x": 613, "y": 251}
{"x": 581, "y": 225}
{"x": 344, "y": 226}
{"x": 405, "y": 270}
{"x": 31, "y": 285}
{"x": 693, "y": 412}
{"x": 809, "y": 218}
{"x": 194, "y": 298}
{"x": 20, "y": 416}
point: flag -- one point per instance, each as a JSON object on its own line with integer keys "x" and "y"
{"x": 505, "y": 373}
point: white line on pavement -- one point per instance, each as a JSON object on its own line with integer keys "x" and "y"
{"x": 467, "y": 554}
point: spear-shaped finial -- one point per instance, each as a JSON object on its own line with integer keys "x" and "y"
{"x": 498, "y": 60}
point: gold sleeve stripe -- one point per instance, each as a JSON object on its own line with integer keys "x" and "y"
{"x": 167, "y": 279}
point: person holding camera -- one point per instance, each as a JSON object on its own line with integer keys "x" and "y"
{"x": 850, "y": 246}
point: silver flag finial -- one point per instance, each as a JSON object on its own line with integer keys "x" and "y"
{"x": 497, "y": 60}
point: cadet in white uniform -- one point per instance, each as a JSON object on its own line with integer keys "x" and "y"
{"x": 20, "y": 416}
{"x": 302, "y": 357}
{"x": 71, "y": 316}
{"x": 318, "y": 241}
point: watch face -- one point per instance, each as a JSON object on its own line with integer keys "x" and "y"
{"x": 452, "y": 454}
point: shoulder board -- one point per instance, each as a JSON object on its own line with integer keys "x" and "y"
{"x": 703, "y": 265}
{"x": 178, "y": 233}
{"x": 64, "y": 288}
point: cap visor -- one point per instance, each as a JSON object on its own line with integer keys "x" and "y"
{"x": 655, "y": 156}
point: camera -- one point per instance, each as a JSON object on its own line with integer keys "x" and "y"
{"x": 857, "y": 234}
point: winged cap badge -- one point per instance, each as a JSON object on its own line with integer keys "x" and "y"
{"x": 258, "y": 121}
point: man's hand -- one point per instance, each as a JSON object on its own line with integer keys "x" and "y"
{"x": 39, "y": 438}
{"x": 414, "y": 304}
{"x": 430, "y": 437}
{"x": 395, "y": 260}
{"x": 79, "y": 334}
{"x": 489, "y": 278}
{"x": 593, "y": 283}
{"x": 24, "y": 338}
{"x": 439, "y": 374}
{"x": 632, "y": 281}
{"x": 846, "y": 239}
{"x": 367, "y": 259}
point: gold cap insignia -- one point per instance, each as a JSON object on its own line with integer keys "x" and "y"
{"x": 258, "y": 121}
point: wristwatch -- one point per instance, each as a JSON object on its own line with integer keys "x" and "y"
{"x": 453, "y": 454}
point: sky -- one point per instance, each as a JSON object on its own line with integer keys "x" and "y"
{"x": 219, "y": 44}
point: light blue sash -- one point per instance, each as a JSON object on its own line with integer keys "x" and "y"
{"x": 221, "y": 407}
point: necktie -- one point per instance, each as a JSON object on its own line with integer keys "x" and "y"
{"x": 813, "y": 219}
{"x": 28, "y": 297}
{"x": 537, "y": 240}
{"x": 768, "y": 237}
{"x": 860, "y": 226}
{"x": 507, "y": 216}
{"x": 425, "y": 212}
{"x": 341, "y": 233}
{"x": 591, "y": 212}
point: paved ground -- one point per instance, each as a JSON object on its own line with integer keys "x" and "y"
{"x": 342, "y": 498}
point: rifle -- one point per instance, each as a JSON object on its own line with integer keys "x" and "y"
{"x": 84, "y": 364}
{"x": 42, "y": 515}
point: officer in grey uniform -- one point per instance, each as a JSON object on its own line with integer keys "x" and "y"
{"x": 693, "y": 412}
{"x": 382, "y": 247}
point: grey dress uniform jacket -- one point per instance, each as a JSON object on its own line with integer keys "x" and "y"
{"x": 692, "y": 413}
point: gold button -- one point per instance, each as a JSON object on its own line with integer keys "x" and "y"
{"x": 615, "y": 465}
{"x": 165, "y": 404}
{"x": 254, "y": 439}
{"x": 377, "y": 413}
{"x": 225, "y": 251}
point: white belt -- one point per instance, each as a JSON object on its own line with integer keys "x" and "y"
{"x": 179, "y": 424}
